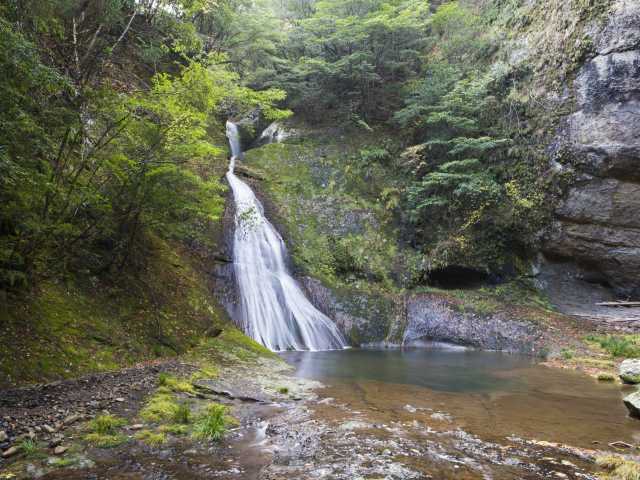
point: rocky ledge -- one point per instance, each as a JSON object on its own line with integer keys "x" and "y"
{"x": 436, "y": 318}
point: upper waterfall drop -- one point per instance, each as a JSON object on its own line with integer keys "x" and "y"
{"x": 273, "y": 309}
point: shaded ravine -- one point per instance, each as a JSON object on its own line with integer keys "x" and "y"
{"x": 273, "y": 309}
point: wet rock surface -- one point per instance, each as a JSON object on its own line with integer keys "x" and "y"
{"x": 632, "y": 403}
{"x": 629, "y": 371}
{"x": 361, "y": 317}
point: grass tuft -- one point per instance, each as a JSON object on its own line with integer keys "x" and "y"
{"x": 174, "y": 429}
{"x": 567, "y": 353}
{"x": 624, "y": 346}
{"x": 28, "y": 446}
{"x": 101, "y": 440}
{"x": 182, "y": 414}
{"x": 106, "y": 424}
{"x": 161, "y": 407}
{"x": 104, "y": 431}
{"x": 606, "y": 377}
{"x": 174, "y": 384}
{"x": 618, "y": 468}
{"x": 212, "y": 424}
{"x": 151, "y": 438}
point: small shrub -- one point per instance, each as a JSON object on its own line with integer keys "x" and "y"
{"x": 212, "y": 424}
{"x": 283, "y": 390}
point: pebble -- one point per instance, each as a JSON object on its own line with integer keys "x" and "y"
{"x": 3, "y": 436}
{"x": 48, "y": 428}
{"x": 119, "y": 399}
{"x": 59, "y": 450}
{"x": 10, "y": 452}
{"x": 137, "y": 426}
{"x": 71, "y": 419}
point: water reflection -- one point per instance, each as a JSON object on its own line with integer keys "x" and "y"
{"x": 441, "y": 369}
{"x": 490, "y": 394}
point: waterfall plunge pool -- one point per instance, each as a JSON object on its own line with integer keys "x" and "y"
{"x": 489, "y": 394}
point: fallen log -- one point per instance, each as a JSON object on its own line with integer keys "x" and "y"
{"x": 618, "y": 304}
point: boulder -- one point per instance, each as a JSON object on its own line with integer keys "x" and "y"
{"x": 630, "y": 371}
{"x": 632, "y": 402}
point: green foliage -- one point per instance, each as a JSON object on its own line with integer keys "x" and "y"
{"x": 174, "y": 384}
{"x": 104, "y": 431}
{"x": 151, "y": 438}
{"x": 606, "y": 377}
{"x": 352, "y": 56}
{"x": 101, "y": 440}
{"x": 111, "y": 130}
{"x": 473, "y": 198}
{"x": 106, "y": 424}
{"x": 162, "y": 407}
{"x": 618, "y": 468}
{"x": 182, "y": 415}
{"x": 28, "y": 446}
{"x": 212, "y": 424}
{"x": 567, "y": 353}
{"x": 627, "y": 346}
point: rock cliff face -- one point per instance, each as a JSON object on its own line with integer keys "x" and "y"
{"x": 435, "y": 318}
{"x": 410, "y": 319}
{"x": 363, "y": 318}
{"x": 598, "y": 222}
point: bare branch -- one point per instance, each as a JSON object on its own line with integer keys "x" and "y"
{"x": 124, "y": 32}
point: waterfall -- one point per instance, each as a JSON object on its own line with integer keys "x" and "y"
{"x": 273, "y": 309}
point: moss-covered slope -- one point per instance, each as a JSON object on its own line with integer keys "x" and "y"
{"x": 64, "y": 328}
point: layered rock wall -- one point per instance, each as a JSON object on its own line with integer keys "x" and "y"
{"x": 598, "y": 222}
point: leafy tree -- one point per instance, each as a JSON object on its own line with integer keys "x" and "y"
{"x": 110, "y": 110}
{"x": 352, "y": 56}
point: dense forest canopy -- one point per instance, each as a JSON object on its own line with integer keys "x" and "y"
{"x": 114, "y": 110}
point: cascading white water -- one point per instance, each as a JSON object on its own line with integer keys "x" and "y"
{"x": 274, "y": 310}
